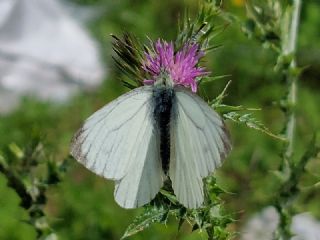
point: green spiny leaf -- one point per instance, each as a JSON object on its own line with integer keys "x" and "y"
{"x": 149, "y": 216}
{"x": 223, "y": 108}
{"x": 169, "y": 196}
{"x": 248, "y": 120}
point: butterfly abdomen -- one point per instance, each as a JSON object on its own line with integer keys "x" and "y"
{"x": 163, "y": 100}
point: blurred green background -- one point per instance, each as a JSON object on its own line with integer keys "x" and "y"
{"x": 82, "y": 206}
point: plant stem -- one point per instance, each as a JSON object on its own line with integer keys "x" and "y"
{"x": 15, "y": 183}
{"x": 289, "y": 48}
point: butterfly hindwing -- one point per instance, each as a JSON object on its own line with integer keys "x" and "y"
{"x": 143, "y": 181}
{"x": 199, "y": 144}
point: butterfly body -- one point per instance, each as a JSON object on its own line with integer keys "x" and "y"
{"x": 163, "y": 100}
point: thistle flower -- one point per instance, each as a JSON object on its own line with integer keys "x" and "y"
{"x": 182, "y": 66}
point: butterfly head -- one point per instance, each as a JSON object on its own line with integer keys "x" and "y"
{"x": 163, "y": 80}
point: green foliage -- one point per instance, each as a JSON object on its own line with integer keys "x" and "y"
{"x": 264, "y": 21}
{"x": 290, "y": 177}
{"x": 233, "y": 113}
{"x": 248, "y": 120}
{"x": 30, "y": 174}
{"x": 280, "y": 20}
{"x": 149, "y": 216}
{"x": 210, "y": 218}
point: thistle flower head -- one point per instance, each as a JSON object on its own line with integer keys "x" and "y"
{"x": 180, "y": 66}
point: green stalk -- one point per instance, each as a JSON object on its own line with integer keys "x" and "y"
{"x": 291, "y": 22}
{"x": 289, "y": 48}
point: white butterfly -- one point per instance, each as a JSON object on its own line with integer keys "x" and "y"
{"x": 149, "y": 134}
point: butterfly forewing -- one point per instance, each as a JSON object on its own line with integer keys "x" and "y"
{"x": 119, "y": 142}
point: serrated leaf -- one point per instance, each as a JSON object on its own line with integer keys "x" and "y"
{"x": 172, "y": 198}
{"x": 208, "y": 79}
{"x": 223, "y": 108}
{"x": 248, "y": 120}
{"x": 144, "y": 220}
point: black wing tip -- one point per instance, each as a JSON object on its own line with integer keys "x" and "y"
{"x": 76, "y": 145}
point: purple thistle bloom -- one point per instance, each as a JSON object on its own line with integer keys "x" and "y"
{"x": 180, "y": 66}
